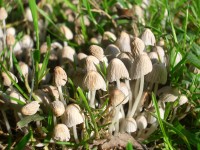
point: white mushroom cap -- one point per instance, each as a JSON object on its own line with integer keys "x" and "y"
{"x": 90, "y": 63}
{"x": 141, "y": 66}
{"x": 116, "y": 97}
{"x": 148, "y": 37}
{"x": 107, "y": 35}
{"x": 97, "y": 51}
{"x": 67, "y": 32}
{"x": 123, "y": 42}
{"x": 158, "y": 74}
{"x": 161, "y": 53}
{"x": 61, "y": 133}
{"x": 10, "y": 40}
{"x": 28, "y": 14}
{"x": 137, "y": 46}
{"x": 26, "y": 70}
{"x": 51, "y": 90}
{"x": 26, "y": 42}
{"x": 67, "y": 53}
{"x": 3, "y": 14}
{"x": 6, "y": 79}
{"x": 94, "y": 81}
{"x": 60, "y": 76}
{"x": 30, "y": 108}
{"x": 129, "y": 125}
{"x": 13, "y": 93}
{"x": 10, "y": 31}
{"x": 141, "y": 122}
{"x": 154, "y": 57}
{"x": 183, "y": 99}
{"x": 116, "y": 70}
{"x": 73, "y": 115}
{"x": 58, "y": 108}
{"x": 111, "y": 51}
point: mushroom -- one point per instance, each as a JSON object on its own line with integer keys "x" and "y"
{"x": 3, "y": 16}
{"x": 60, "y": 80}
{"x": 67, "y": 33}
{"x": 148, "y": 37}
{"x": 90, "y": 63}
{"x": 111, "y": 51}
{"x": 128, "y": 125}
{"x": 137, "y": 46}
{"x": 116, "y": 99}
{"x": 93, "y": 81}
{"x": 7, "y": 78}
{"x": 72, "y": 117}
{"x": 141, "y": 66}
{"x": 123, "y": 42}
{"x": 61, "y": 133}
{"x": 30, "y": 108}
{"x": 10, "y": 40}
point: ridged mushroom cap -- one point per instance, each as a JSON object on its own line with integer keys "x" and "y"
{"x": 67, "y": 32}
{"x": 26, "y": 42}
{"x": 141, "y": 122}
{"x": 3, "y": 13}
{"x": 97, "y": 51}
{"x": 91, "y": 62}
{"x": 141, "y": 66}
{"x": 60, "y": 76}
{"x": 15, "y": 94}
{"x": 73, "y": 115}
{"x": 10, "y": 40}
{"x": 67, "y": 54}
{"x": 148, "y": 37}
{"x": 158, "y": 74}
{"x": 116, "y": 97}
{"x": 129, "y": 125}
{"x": 111, "y": 51}
{"x": 160, "y": 52}
{"x": 126, "y": 59}
{"x": 6, "y": 79}
{"x": 26, "y": 70}
{"x": 123, "y": 42}
{"x": 61, "y": 133}
{"x": 137, "y": 46}
{"x": 58, "y": 108}
{"x": 116, "y": 70}
{"x": 30, "y": 108}
{"x": 107, "y": 35}
{"x": 94, "y": 81}
{"x": 52, "y": 91}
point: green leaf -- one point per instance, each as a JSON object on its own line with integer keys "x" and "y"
{"x": 71, "y": 5}
{"x": 22, "y": 143}
{"x": 33, "y": 7}
{"x": 129, "y": 146}
{"x": 193, "y": 59}
{"x": 166, "y": 139}
{"x": 26, "y": 120}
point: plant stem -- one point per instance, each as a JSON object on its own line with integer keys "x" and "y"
{"x": 75, "y": 134}
{"x": 6, "y": 122}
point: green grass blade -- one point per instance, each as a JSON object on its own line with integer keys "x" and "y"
{"x": 16, "y": 64}
{"x": 193, "y": 59}
{"x": 129, "y": 146}
{"x": 165, "y": 137}
{"x": 43, "y": 71}
{"x": 22, "y": 143}
{"x": 87, "y": 107}
{"x": 71, "y": 5}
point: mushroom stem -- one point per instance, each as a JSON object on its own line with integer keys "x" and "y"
{"x": 54, "y": 120}
{"x": 130, "y": 102}
{"x": 150, "y": 130}
{"x": 115, "y": 118}
{"x": 118, "y": 83}
{"x": 136, "y": 88}
{"x": 75, "y": 134}
{"x": 137, "y": 100}
{"x": 65, "y": 43}
{"x": 92, "y": 98}
{"x": 6, "y": 122}
{"x": 61, "y": 95}
{"x": 11, "y": 60}
{"x": 4, "y": 34}
{"x": 122, "y": 111}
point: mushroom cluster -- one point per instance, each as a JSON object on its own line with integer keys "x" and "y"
{"x": 103, "y": 89}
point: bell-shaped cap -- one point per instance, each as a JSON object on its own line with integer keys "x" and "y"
{"x": 90, "y": 63}
{"x": 7, "y": 80}
{"x": 97, "y": 51}
{"x": 66, "y": 32}
{"x": 61, "y": 133}
{"x": 94, "y": 81}
{"x": 60, "y": 76}
{"x": 141, "y": 66}
{"x": 158, "y": 74}
{"x": 123, "y": 42}
{"x": 116, "y": 70}
{"x": 141, "y": 122}
{"x": 148, "y": 38}
{"x": 137, "y": 46}
{"x": 72, "y": 115}
{"x": 111, "y": 51}
{"x": 3, "y": 14}
{"x": 116, "y": 97}
{"x": 128, "y": 125}
{"x": 58, "y": 108}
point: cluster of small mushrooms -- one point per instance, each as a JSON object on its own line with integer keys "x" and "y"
{"x": 117, "y": 75}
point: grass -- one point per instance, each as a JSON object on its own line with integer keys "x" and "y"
{"x": 180, "y": 33}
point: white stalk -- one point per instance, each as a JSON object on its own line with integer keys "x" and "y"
{"x": 6, "y": 122}
{"x": 115, "y": 118}
{"x": 75, "y": 134}
{"x": 118, "y": 83}
{"x": 92, "y": 99}
{"x": 61, "y": 95}
{"x": 11, "y": 60}
{"x": 4, "y": 33}
{"x": 137, "y": 100}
